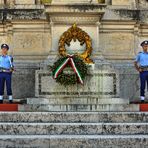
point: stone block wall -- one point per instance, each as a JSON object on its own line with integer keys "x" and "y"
{"x": 31, "y": 30}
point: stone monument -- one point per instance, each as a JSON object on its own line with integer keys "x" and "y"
{"x": 95, "y": 114}
{"x": 100, "y": 91}
{"x": 110, "y": 24}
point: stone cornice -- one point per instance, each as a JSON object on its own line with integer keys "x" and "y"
{"x": 70, "y": 13}
{"x": 74, "y": 2}
{"x": 22, "y": 14}
{"x": 75, "y": 8}
{"x": 79, "y": 19}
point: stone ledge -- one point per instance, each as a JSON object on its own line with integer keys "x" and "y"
{"x": 77, "y": 117}
{"x": 74, "y": 2}
{"x": 77, "y": 100}
{"x": 76, "y": 8}
{"x": 74, "y": 141}
{"x": 78, "y": 107}
{"x": 28, "y": 6}
{"x": 73, "y": 128}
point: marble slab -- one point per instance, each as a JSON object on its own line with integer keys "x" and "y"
{"x": 97, "y": 141}
{"x": 79, "y": 107}
{"x": 74, "y": 141}
{"x": 73, "y": 128}
{"x": 102, "y": 83}
{"x": 77, "y": 117}
{"x": 76, "y": 100}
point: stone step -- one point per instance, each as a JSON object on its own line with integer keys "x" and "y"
{"x": 80, "y": 100}
{"x": 73, "y": 128}
{"x": 76, "y": 117}
{"x": 74, "y": 141}
{"x": 9, "y": 107}
{"x": 79, "y": 107}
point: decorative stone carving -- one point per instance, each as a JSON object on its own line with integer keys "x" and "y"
{"x": 63, "y": 16}
{"x": 51, "y": 20}
{"x": 75, "y": 33}
{"x": 79, "y": 19}
{"x": 79, "y": 8}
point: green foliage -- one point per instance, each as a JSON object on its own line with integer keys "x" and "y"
{"x": 70, "y": 78}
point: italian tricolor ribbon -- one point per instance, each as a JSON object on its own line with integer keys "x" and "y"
{"x": 68, "y": 60}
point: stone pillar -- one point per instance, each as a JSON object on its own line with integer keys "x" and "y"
{"x": 136, "y": 40}
{"x": 51, "y": 32}
{"x": 98, "y": 26}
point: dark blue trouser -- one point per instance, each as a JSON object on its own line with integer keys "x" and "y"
{"x": 143, "y": 80}
{"x": 5, "y": 77}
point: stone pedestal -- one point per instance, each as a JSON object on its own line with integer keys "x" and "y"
{"x": 100, "y": 91}
{"x": 102, "y": 83}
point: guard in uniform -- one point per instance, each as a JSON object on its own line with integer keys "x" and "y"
{"x": 141, "y": 64}
{"x": 6, "y": 69}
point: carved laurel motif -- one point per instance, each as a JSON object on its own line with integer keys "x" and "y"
{"x": 74, "y": 33}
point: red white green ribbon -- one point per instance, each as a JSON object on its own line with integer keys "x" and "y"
{"x": 63, "y": 65}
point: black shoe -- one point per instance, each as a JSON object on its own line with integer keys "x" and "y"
{"x": 1, "y": 101}
{"x": 11, "y": 101}
{"x": 142, "y": 101}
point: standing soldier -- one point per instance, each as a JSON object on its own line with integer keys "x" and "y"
{"x": 6, "y": 69}
{"x": 141, "y": 64}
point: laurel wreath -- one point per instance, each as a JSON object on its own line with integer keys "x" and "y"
{"x": 67, "y": 75}
{"x": 75, "y": 33}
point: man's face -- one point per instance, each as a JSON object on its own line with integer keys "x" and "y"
{"x": 145, "y": 47}
{"x": 4, "y": 51}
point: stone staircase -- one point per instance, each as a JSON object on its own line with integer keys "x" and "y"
{"x": 74, "y": 129}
